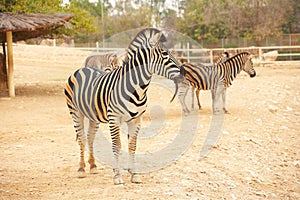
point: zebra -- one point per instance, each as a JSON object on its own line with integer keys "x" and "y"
{"x": 101, "y": 60}
{"x": 183, "y": 93}
{"x": 119, "y": 96}
{"x": 107, "y": 62}
{"x": 222, "y": 58}
{"x": 216, "y": 78}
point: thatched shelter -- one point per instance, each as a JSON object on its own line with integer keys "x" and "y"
{"x": 16, "y": 27}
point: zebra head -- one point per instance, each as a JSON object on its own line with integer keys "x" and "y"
{"x": 165, "y": 64}
{"x": 248, "y": 66}
{"x": 154, "y": 56}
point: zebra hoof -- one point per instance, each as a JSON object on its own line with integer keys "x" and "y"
{"x": 94, "y": 170}
{"x": 118, "y": 180}
{"x": 81, "y": 173}
{"x": 217, "y": 113}
{"x": 186, "y": 112}
{"x": 135, "y": 178}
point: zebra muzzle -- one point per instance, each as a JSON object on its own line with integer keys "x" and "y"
{"x": 253, "y": 75}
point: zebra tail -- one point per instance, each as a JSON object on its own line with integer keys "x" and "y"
{"x": 176, "y": 90}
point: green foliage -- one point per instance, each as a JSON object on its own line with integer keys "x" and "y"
{"x": 32, "y": 6}
{"x": 256, "y": 19}
{"x": 81, "y": 23}
{"x": 208, "y": 20}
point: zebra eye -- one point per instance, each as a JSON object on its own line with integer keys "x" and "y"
{"x": 165, "y": 54}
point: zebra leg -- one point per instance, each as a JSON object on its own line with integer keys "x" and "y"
{"x": 114, "y": 127}
{"x": 193, "y": 98}
{"x": 93, "y": 127}
{"x": 198, "y": 98}
{"x": 80, "y": 137}
{"x": 224, "y": 101}
{"x": 216, "y": 98}
{"x": 213, "y": 99}
{"x": 181, "y": 95}
{"x": 184, "y": 104}
{"x": 133, "y": 130}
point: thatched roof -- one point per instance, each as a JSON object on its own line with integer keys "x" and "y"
{"x": 25, "y": 26}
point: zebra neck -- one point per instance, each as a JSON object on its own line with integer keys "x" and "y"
{"x": 230, "y": 71}
{"x": 137, "y": 73}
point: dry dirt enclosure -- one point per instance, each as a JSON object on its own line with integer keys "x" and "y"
{"x": 257, "y": 155}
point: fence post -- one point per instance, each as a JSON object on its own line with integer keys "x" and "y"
{"x": 211, "y": 57}
{"x": 290, "y": 43}
{"x": 97, "y": 47}
{"x": 260, "y": 57}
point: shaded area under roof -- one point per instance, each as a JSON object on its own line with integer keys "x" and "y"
{"x": 16, "y": 27}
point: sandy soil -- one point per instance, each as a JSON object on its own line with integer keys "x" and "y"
{"x": 257, "y": 155}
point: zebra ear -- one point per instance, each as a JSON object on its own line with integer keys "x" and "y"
{"x": 226, "y": 54}
{"x": 155, "y": 39}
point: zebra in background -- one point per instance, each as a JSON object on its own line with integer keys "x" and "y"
{"x": 220, "y": 59}
{"x": 101, "y": 60}
{"x": 107, "y": 62}
{"x": 119, "y": 96}
{"x": 183, "y": 93}
{"x": 215, "y": 78}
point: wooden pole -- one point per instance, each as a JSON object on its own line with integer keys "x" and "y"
{"x": 3, "y": 71}
{"x": 10, "y": 71}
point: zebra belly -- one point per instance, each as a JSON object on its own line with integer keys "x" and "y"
{"x": 127, "y": 112}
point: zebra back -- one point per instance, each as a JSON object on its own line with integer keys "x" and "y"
{"x": 200, "y": 76}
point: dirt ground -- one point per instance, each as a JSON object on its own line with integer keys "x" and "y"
{"x": 257, "y": 155}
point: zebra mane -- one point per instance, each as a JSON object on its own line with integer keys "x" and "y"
{"x": 142, "y": 39}
{"x": 239, "y": 55}
{"x": 236, "y": 57}
{"x": 238, "y": 60}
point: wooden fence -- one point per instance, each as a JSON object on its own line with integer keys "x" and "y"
{"x": 70, "y": 56}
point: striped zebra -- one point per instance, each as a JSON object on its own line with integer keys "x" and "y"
{"x": 183, "y": 93}
{"x": 216, "y": 78}
{"x": 119, "y": 96}
{"x": 220, "y": 59}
